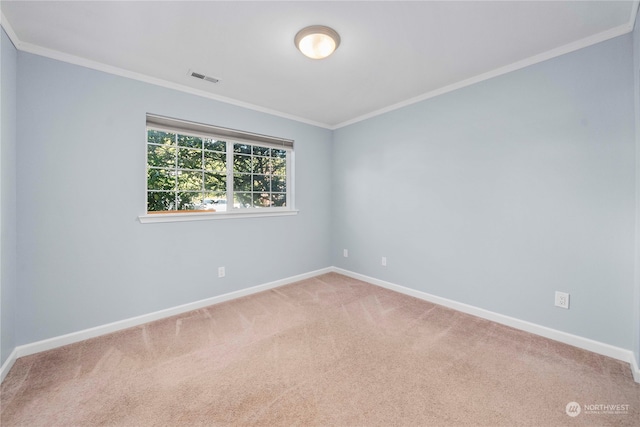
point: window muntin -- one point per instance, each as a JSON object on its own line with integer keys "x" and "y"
{"x": 190, "y": 172}
{"x": 259, "y": 176}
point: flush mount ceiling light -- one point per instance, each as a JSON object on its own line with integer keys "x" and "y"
{"x": 317, "y": 41}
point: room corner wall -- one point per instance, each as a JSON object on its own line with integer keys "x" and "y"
{"x": 501, "y": 193}
{"x": 8, "y": 266}
{"x": 84, "y": 258}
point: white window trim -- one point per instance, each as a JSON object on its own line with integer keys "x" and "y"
{"x": 181, "y": 216}
{"x": 184, "y": 216}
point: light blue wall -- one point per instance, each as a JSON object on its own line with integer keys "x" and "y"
{"x": 8, "y": 273}
{"x": 495, "y": 195}
{"x": 84, "y": 259}
{"x": 499, "y": 194}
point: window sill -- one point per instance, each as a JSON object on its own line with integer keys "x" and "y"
{"x": 205, "y": 216}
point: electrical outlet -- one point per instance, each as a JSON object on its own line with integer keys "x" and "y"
{"x": 384, "y": 261}
{"x": 221, "y": 272}
{"x": 345, "y": 253}
{"x": 562, "y": 299}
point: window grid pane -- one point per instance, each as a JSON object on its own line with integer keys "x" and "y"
{"x": 187, "y": 172}
{"x": 259, "y": 177}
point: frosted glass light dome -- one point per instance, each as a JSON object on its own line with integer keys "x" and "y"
{"x": 317, "y": 41}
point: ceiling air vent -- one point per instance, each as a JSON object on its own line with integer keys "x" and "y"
{"x": 203, "y": 77}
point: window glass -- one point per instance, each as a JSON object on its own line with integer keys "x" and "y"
{"x": 194, "y": 173}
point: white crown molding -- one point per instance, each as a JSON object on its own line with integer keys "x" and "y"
{"x": 99, "y": 66}
{"x": 4, "y": 23}
{"x": 553, "y": 53}
{"x": 76, "y": 60}
{"x": 61, "y": 56}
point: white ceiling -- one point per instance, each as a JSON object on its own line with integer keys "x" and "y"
{"x": 392, "y": 52}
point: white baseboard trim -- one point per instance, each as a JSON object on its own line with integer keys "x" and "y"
{"x": 574, "y": 340}
{"x": 8, "y": 364}
{"x": 564, "y": 337}
{"x": 635, "y": 369}
{"x": 55, "y": 342}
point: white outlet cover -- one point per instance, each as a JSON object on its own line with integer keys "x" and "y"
{"x": 562, "y": 299}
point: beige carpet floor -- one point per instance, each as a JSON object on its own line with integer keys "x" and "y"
{"x": 328, "y": 351}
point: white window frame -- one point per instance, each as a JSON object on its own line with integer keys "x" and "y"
{"x": 231, "y": 137}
